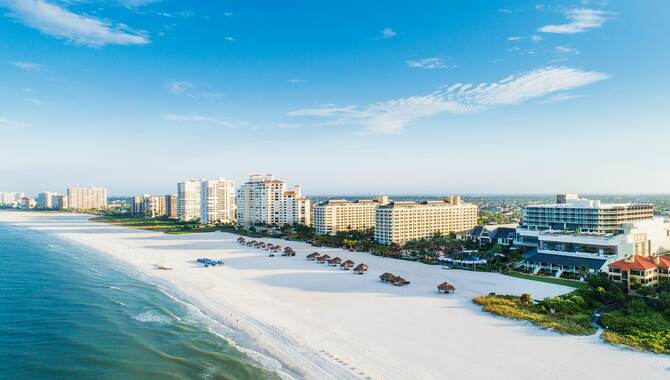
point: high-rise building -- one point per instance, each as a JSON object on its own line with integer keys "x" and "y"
{"x": 188, "y": 200}
{"x": 217, "y": 201}
{"x": 264, "y": 199}
{"x": 53, "y": 201}
{"x": 339, "y": 215}
{"x": 400, "y": 222}
{"x": 137, "y": 205}
{"x": 28, "y": 202}
{"x": 171, "y": 206}
{"x": 87, "y": 198}
{"x": 11, "y": 199}
{"x": 154, "y": 206}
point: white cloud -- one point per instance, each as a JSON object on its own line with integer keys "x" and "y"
{"x": 580, "y": 20}
{"x": 536, "y": 38}
{"x": 429, "y": 63}
{"x": 566, "y": 50}
{"x": 228, "y": 14}
{"x": 198, "y": 119}
{"x": 229, "y": 39}
{"x": 6, "y": 123}
{"x": 180, "y": 88}
{"x": 394, "y": 115}
{"x": 136, "y": 3}
{"x": 560, "y": 98}
{"x": 295, "y": 81}
{"x": 388, "y": 33}
{"x": 58, "y": 22}
{"x": 516, "y": 38}
{"x": 27, "y": 66}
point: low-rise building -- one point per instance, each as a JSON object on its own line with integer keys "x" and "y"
{"x": 640, "y": 270}
{"x": 333, "y": 216}
{"x": 399, "y": 222}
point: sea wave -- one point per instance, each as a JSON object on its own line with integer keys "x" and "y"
{"x": 152, "y": 317}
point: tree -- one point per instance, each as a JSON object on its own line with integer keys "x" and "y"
{"x": 526, "y": 299}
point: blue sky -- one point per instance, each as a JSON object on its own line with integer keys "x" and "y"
{"x": 357, "y": 97}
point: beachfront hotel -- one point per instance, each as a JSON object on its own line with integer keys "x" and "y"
{"x": 337, "y": 215}
{"x": 87, "y": 198}
{"x": 188, "y": 200}
{"x": 217, "y": 201}
{"x": 265, "y": 199}
{"x": 400, "y": 222}
{"x": 579, "y": 233}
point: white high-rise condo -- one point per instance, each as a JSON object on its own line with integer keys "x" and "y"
{"x": 87, "y": 198}
{"x": 53, "y": 201}
{"x": 400, "y": 222}
{"x": 217, "y": 201}
{"x": 188, "y": 200}
{"x": 264, "y": 199}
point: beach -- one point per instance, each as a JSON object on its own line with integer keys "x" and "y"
{"x": 322, "y": 322}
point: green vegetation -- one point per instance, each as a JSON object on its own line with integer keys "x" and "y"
{"x": 551, "y": 280}
{"x": 170, "y": 226}
{"x": 639, "y": 322}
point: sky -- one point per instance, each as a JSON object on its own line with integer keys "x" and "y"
{"x": 340, "y": 97}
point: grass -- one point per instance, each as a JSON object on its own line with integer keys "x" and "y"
{"x": 169, "y": 226}
{"x": 550, "y": 280}
{"x": 576, "y": 323}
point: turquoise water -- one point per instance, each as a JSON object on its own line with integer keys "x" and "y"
{"x": 66, "y": 313}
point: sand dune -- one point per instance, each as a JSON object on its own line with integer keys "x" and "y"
{"x": 327, "y": 323}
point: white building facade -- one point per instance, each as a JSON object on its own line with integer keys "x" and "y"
{"x": 264, "y": 199}
{"x": 217, "y": 201}
{"x": 188, "y": 200}
{"x": 340, "y": 215}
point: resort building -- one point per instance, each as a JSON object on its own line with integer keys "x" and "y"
{"x": 171, "y": 206}
{"x": 188, "y": 200}
{"x": 264, "y": 199}
{"x": 217, "y": 201}
{"x": 639, "y": 270}
{"x": 575, "y": 233}
{"x": 399, "y": 222}
{"x": 87, "y": 198}
{"x": 333, "y": 216}
{"x": 502, "y": 234}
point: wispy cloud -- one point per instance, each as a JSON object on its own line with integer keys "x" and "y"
{"x": 387, "y": 33}
{"x": 429, "y": 63}
{"x": 84, "y": 30}
{"x": 228, "y": 14}
{"x": 136, "y": 3}
{"x": 558, "y": 98}
{"x": 295, "y": 81}
{"x": 27, "y": 66}
{"x": 229, "y": 39}
{"x": 516, "y": 38}
{"x": 394, "y": 115}
{"x": 579, "y": 20}
{"x": 6, "y": 123}
{"x": 198, "y": 119}
{"x": 180, "y": 88}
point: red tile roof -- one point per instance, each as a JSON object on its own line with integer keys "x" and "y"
{"x": 638, "y": 263}
{"x": 664, "y": 262}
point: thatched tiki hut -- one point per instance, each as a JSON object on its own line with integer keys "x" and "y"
{"x": 251, "y": 242}
{"x": 399, "y": 281}
{"x": 334, "y": 262}
{"x": 347, "y": 265}
{"x": 360, "y": 268}
{"x": 241, "y": 240}
{"x": 288, "y": 251}
{"x": 323, "y": 259}
{"x": 387, "y": 277}
{"x": 313, "y": 256}
{"x": 445, "y": 287}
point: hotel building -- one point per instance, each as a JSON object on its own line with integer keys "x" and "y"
{"x": 333, "y": 216}
{"x": 645, "y": 271}
{"x": 264, "y": 199}
{"x": 87, "y": 198}
{"x": 217, "y": 201}
{"x": 579, "y": 233}
{"x": 188, "y": 200}
{"x": 399, "y": 222}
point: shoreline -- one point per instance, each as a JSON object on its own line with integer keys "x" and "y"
{"x": 326, "y": 323}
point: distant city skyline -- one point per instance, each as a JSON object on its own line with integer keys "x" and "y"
{"x": 340, "y": 98}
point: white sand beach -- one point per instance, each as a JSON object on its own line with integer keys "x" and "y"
{"x": 327, "y": 323}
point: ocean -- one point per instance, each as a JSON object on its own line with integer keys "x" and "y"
{"x": 68, "y": 313}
